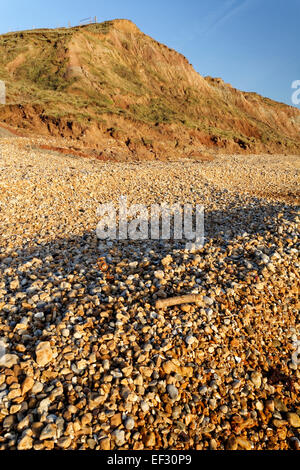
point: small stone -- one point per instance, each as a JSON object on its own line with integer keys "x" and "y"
{"x": 105, "y": 444}
{"x": 15, "y": 409}
{"x": 65, "y": 286}
{"x": 279, "y": 423}
{"x": 43, "y": 353}
{"x": 95, "y": 402}
{"x": 159, "y": 275}
{"x": 190, "y": 340}
{"x": 37, "y": 388}
{"x": 232, "y": 443}
{"x": 24, "y": 423}
{"x": 119, "y": 436}
{"x": 129, "y": 423}
{"x": 86, "y": 419}
{"x": 168, "y": 367}
{"x": 144, "y": 407}
{"x": 186, "y": 308}
{"x": 14, "y": 285}
{"x": 25, "y": 443}
{"x": 259, "y": 405}
{"x": 224, "y": 409}
{"x": 8, "y": 422}
{"x": 260, "y": 286}
{"x": 270, "y": 405}
{"x": 213, "y": 444}
{"x": 296, "y": 442}
{"x": 280, "y": 405}
{"x": 176, "y": 412}
{"x": 208, "y": 300}
{"x": 265, "y": 259}
{"x": 256, "y": 379}
{"x": 149, "y": 439}
{"x": 15, "y": 393}
{"x": 36, "y": 428}
{"x": 271, "y": 267}
{"x": 39, "y": 315}
{"x": 172, "y": 392}
{"x": 116, "y": 420}
{"x": 243, "y": 443}
{"x": 133, "y": 265}
{"x": 9, "y": 360}
{"x": 167, "y": 260}
{"x": 44, "y": 405}
{"x": 27, "y": 385}
{"x": 293, "y": 420}
{"x": 91, "y": 443}
{"x": 64, "y": 442}
{"x": 49, "y": 432}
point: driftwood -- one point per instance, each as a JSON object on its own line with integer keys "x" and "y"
{"x": 184, "y": 299}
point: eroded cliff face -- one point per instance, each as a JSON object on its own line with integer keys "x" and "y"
{"x": 111, "y": 88}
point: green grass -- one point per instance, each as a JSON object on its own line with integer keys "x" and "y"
{"x": 46, "y": 71}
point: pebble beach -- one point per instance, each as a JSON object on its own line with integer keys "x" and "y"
{"x": 87, "y": 361}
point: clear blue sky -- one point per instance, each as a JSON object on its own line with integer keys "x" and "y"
{"x": 252, "y": 44}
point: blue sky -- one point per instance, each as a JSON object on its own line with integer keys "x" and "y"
{"x": 252, "y": 44}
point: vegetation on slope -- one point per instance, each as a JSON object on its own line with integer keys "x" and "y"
{"x": 111, "y": 76}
